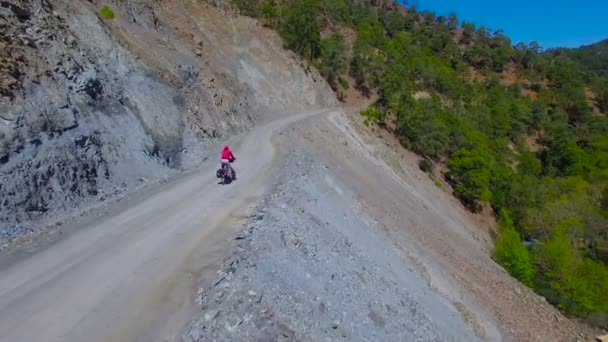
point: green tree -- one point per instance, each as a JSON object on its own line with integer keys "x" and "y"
{"x": 270, "y": 13}
{"x": 529, "y": 165}
{"x": 470, "y": 173}
{"x": 333, "y": 59}
{"x": 366, "y": 67}
{"x": 568, "y": 92}
{"x": 562, "y": 268}
{"x": 600, "y": 86}
{"x": 339, "y": 10}
{"x": 511, "y": 252}
{"x": 393, "y": 22}
{"x": 468, "y": 32}
{"x": 561, "y": 155}
{"x": 452, "y": 22}
{"x": 596, "y": 274}
{"x": 604, "y": 200}
{"x": 300, "y": 28}
{"x": 421, "y": 124}
{"x": 249, "y": 7}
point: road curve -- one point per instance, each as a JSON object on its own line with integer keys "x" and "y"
{"x": 130, "y": 274}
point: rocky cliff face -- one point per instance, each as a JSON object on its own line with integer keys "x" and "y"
{"x": 90, "y": 107}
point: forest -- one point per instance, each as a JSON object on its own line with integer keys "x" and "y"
{"x": 519, "y": 129}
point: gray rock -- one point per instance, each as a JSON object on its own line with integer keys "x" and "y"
{"x": 11, "y": 232}
{"x": 210, "y": 315}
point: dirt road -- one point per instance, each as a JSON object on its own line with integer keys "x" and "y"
{"x": 119, "y": 278}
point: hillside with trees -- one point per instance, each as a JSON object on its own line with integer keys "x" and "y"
{"x": 519, "y": 129}
{"x": 593, "y": 58}
{"x": 592, "y": 61}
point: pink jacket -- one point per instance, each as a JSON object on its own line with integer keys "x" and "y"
{"x": 227, "y": 154}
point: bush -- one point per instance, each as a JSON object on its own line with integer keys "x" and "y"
{"x": 426, "y": 165}
{"x": 344, "y": 83}
{"x": 106, "y": 12}
{"x": 373, "y": 114}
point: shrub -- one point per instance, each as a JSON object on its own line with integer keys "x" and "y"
{"x": 344, "y": 83}
{"x": 426, "y": 165}
{"x": 106, "y": 12}
{"x": 373, "y": 114}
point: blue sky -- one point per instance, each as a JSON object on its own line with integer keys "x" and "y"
{"x": 552, "y": 23}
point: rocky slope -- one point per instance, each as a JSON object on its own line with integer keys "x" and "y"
{"x": 312, "y": 266}
{"x": 91, "y": 108}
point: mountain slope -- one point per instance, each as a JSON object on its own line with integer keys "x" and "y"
{"x": 517, "y": 132}
{"x": 352, "y": 242}
{"x": 593, "y": 57}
